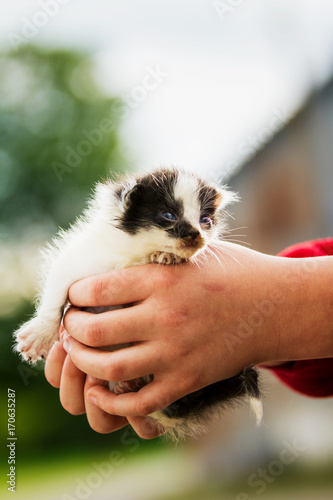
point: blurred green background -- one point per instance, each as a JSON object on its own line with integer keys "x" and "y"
{"x": 50, "y": 156}
{"x": 72, "y": 114}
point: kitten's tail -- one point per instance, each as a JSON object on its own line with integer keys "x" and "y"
{"x": 251, "y": 383}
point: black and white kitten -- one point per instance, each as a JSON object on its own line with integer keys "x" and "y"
{"x": 167, "y": 216}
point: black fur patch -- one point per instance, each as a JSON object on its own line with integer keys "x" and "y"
{"x": 209, "y": 199}
{"x": 151, "y": 195}
{"x": 223, "y": 392}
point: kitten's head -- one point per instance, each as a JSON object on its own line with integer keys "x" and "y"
{"x": 172, "y": 211}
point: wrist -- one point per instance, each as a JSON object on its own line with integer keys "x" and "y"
{"x": 301, "y": 327}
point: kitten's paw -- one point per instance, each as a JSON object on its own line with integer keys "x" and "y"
{"x": 133, "y": 385}
{"x": 34, "y": 339}
{"x": 165, "y": 258}
{"x": 129, "y": 386}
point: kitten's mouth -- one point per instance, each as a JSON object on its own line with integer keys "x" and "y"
{"x": 188, "y": 247}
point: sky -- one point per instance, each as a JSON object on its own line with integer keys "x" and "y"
{"x": 206, "y": 83}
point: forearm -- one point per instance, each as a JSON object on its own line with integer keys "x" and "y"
{"x": 303, "y": 300}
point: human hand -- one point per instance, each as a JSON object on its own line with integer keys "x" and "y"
{"x": 61, "y": 373}
{"x": 184, "y": 325}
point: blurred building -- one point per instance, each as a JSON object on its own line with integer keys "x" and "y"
{"x": 286, "y": 187}
{"x": 286, "y": 197}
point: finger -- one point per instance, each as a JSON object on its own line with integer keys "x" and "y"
{"x": 71, "y": 388}
{"x": 146, "y": 427}
{"x": 114, "y": 288}
{"x": 153, "y": 397}
{"x": 125, "y": 364}
{"x": 108, "y": 328}
{"x": 98, "y": 419}
{"x": 54, "y": 363}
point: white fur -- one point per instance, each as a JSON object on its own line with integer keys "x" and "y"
{"x": 185, "y": 187}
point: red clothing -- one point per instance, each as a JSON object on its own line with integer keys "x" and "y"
{"x": 312, "y": 377}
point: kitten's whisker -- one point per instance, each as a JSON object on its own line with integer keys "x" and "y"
{"x": 226, "y": 252}
{"x": 205, "y": 256}
{"x": 211, "y": 252}
{"x": 226, "y": 236}
{"x": 229, "y": 230}
{"x": 236, "y": 235}
{"x": 197, "y": 262}
{"x": 228, "y": 214}
{"x": 232, "y": 240}
{"x": 233, "y": 257}
{"x": 216, "y": 257}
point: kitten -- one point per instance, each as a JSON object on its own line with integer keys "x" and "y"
{"x": 167, "y": 216}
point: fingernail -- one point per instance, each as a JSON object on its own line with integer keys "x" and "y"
{"x": 92, "y": 400}
{"x": 67, "y": 346}
{"x": 63, "y": 335}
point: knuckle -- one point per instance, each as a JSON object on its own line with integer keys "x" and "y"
{"x": 178, "y": 348}
{"x": 93, "y": 333}
{"x": 173, "y": 318}
{"x": 144, "y": 407}
{"x": 98, "y": 290}
{"x": 115, "y": 371}
{"x": 184, "y": 348}
{"x": 180, "y": 317}
{"x": 164, "y": 399}
{"x": 191, "y": 380}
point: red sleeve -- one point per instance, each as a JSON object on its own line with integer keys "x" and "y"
{"x": 313, "y": 377}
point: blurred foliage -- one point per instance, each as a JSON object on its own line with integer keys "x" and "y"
{"x": 58, "y": 135}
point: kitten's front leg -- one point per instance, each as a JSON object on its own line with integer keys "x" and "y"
{"x": 165, "y": 258}
{"x": 34, "y": 338}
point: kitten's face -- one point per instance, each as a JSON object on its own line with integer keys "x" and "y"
{"x": 173, "y": 211}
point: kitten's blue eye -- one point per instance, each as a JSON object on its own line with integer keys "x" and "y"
{"x": 206, "y": 220}
{"x": 168, "y": 216}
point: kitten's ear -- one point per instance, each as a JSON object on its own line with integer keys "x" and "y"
{"x": 126, "y": 194}
{"x": 225, "y": 197}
